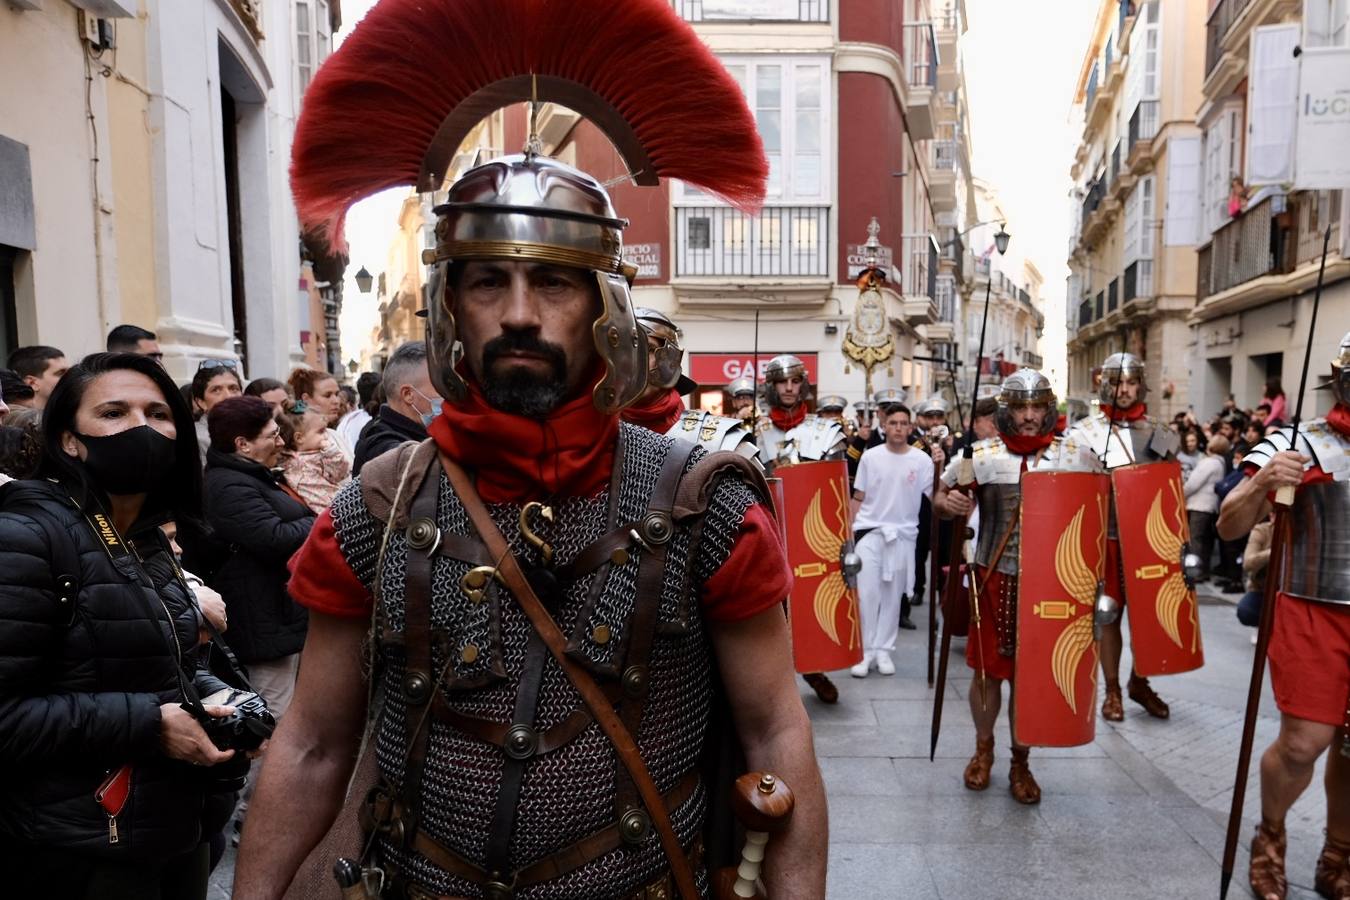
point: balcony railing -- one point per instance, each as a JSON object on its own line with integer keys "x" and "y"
{"x": 919, "y": 257}
{"x": 921, "y": 54}
{"x": 781, "y": 240}
{"x": 946, "y": 299}
{"x": 1143, "y": 123}
{"x": 1137, "y": 281}
{"x": 1092, "y": 200}
{"x": 1085, "y": 313}
{"x": 1113, "y": 295}
{"x": 1256, "y": 243}
{"x": 724, "y": 11}
{"x": 944, "y": 154}
{"x": 1091, "y": 88}
{"x": 1224, "y": 14}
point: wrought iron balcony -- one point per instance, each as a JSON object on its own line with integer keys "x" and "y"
{"x": 1137, "y": 281}
{"x": 723, "y": 11}
{"x": 787, "y": 241}
{"x": 1221, "y": 18}
{"x": 921, "y": 55}
{"x": 1258, "y": 242}
{"x": 1085, "y": 313}
{"x": 1143, "y": 123}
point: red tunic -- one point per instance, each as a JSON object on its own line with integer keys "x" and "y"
{"x": 982, "y": 643}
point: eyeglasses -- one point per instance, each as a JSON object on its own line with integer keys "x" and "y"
{"x": 230, "y": 364}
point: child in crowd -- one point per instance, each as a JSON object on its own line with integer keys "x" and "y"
{"x": 315, "y": 466}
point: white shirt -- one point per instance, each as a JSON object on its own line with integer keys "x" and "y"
{"x": 893, "y": 487}
{"x": 350, "y": 425}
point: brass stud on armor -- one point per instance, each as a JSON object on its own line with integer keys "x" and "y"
{"x": 613, "y": 336}
{"x": 601, "y": 634}
{"x": 423, "y": 534}
{"x": 634, "y": 826}
{"x": 417, "y": 686}
{"x": 496, "y": 890}
{"x": 469, "y": 654}
{"x": 635, "y": 682}
{"x": 657, "y": 528}
{"x": 619, "y": 557}
{"x": 521, "y": 742}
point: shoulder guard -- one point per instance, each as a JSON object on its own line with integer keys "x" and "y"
{"x": 714, "y": 433}
{"x": 817, "y": 438}
{"x": 994, "y": 464}
{"x": 1165, "y": 442}
{"x": 1325, "y": 448}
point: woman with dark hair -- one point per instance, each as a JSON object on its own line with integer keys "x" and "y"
{"x": 319, "y": 391}
{"x": 1274, "y": 396}
{"x": 259, "y": 522}
{"x": 216, "y": 380}
{"x": 271, "y": 390}
{"x": 111, "y": 785}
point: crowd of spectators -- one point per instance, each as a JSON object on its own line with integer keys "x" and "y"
{"x": 215, "y": 483}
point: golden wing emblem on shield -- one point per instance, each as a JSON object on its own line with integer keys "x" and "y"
{"x": 1080, "y": 581}
{"x": 826, "y": 544}
{"x": 1167, "y": 543}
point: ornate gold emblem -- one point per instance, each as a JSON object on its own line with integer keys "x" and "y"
{"x": 1080, "y": 581}
{"x": 1166, "y": 542}
{"x": 826, "y": 544}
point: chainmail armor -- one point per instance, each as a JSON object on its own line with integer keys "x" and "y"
{"x": 568, "y": 793}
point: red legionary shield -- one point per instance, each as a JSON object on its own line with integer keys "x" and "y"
{"x": 826, "y": 626}
{"x": 1154, "y": 533}
{"x": 1063, "y": 553}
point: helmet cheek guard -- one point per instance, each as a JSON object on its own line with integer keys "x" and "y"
{"x": 444, "y": 350}
{"x": 620, "y": 344}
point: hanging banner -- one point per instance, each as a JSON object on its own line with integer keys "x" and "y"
{"x": 1321, "y": 160}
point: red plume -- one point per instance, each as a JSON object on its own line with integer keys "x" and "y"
{"x": 377, "y": 105}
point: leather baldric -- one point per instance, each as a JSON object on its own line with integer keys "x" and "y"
{"x": 619, "y": 735}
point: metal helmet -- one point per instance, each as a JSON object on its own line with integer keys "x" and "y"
{"x": 933, "y": 406}
{"x": 780, "y": 369}
{"x": 888, "y": 397}
{"x": 1025, "y": 387}
{"x": 742, "y": 387}
{"x": 668, "y": 356}
{"x": 1340, "y": 371}
{"x": 1116, "y": 367}
{"x": 534, "y": 209}
{"x": 832, "y": 404}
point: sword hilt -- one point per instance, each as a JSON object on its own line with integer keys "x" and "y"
{"x": 763, "y": 803}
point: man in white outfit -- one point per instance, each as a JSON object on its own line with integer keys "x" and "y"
{"x": 893, "y": 478}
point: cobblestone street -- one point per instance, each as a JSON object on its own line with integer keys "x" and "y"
{"x": 1139, "y": 813}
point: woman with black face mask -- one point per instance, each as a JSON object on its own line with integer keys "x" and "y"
{"x": 110, "y": 784}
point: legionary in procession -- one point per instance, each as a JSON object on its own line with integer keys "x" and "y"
{"x": 1309, "y": 648}
{"x": 1026, "y": 442}
{"x": 570, "y": 619}
{"x": 1121, "y": 433}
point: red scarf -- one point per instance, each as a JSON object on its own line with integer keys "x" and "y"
{"x": 788, "y": 419}
{"x": 570, "y": 454}
{"x": 1339, "y": 419}
{"x": 1027, "y": 444}
{"x": 658, "y": 414}
{"x": 1129, "y": 414}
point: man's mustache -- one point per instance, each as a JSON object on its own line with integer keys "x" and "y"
{"x": 524, "y": 342}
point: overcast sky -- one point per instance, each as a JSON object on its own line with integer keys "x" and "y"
{"x": 1021, "y": 61}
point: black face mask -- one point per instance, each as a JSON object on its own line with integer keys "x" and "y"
{"x": 135, "y": 461}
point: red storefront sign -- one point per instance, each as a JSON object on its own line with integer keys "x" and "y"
{"x": 723, "y": 368}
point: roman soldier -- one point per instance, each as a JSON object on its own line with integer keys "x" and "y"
{"x": 742, "y": 394}
{"x": 790, "y": 433}
{"x": 1309, "y": 647}
{"x": 547, "y": 595}
{"x": 1026, "y": 442}
{"x": 661, "y": 406}
{"x": 1122, "y": 433}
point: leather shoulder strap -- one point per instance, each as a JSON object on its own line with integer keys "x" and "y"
{"x": 695, "y": 492}
{"x": 591, "y": 693}
{"x": 381, "y": 478}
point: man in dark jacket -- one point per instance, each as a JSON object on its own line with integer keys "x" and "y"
{"x": 410, "y": 406}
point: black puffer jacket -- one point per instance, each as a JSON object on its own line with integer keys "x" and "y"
{"x": 383, "y": 433}
{"x": 263, "y": 526}
{"x": 86, "y": 659}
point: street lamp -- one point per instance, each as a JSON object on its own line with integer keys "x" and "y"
{"x": 1001, "y": 239}
{"x": 364, "y": 280}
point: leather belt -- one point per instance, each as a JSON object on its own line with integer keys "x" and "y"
{"x": 566, "y": 860}
{"x": 663, "y": 888}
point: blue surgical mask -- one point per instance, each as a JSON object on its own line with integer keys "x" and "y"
{"x": 436, "y": 403}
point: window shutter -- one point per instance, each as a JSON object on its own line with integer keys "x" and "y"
{"x": 1272, "y": 97}
{"x": 1131, "y": 248}
{"x": 1324, "y": 23}
{"x": 1181, "y": 223}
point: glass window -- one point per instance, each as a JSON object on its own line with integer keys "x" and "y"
{"x": 304, "y": 44}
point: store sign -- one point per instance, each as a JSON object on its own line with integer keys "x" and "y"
{"x": 1322, "y": 162}
{"x": 647, "y": 257}
{"x": 857, "y": 259}
{"x": 723, "y": 368}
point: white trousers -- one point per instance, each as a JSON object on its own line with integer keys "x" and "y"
{"x": 887, "y": 573}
